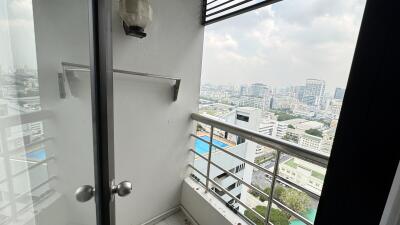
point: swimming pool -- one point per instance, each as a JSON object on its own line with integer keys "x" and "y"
{"x": 36, "y": 155}
{"x": 202, "y": 147}
{"x": 310, "y": 215}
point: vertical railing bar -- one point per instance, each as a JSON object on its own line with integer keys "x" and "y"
{"x": 271, "y": 195}
{"x": 9, "y": 177}
{"x": 209, "y": 158}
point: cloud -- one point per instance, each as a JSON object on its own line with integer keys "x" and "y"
{"x": 220, "y": 41}
{"x": 284, "y": 44}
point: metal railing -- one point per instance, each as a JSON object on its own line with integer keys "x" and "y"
{"x": 8, "y": 154}
{"x": 279, "y": 145}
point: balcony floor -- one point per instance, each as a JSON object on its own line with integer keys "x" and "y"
{"x": 178, "y": 218}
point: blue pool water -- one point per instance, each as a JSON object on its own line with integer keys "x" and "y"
{"x": 202, "y": 147}
{"x": 37, "y": 155}
{"x": 310, "y": 215}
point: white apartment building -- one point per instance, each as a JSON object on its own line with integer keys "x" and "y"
{"x": 244, "y": 117}
{"x": 268, "y": 127}
{"x": 333, "y": 109}
{"x": 283, "y": 102}
{"x": 310, "y": 142}
{"x": 304, "y": 173}
{"x": 303, "y": 139}
{"x": 273, "y": 128}
{"x": 248, "y": 101}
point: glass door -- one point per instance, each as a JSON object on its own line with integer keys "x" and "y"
{"x": 56, "y": 138}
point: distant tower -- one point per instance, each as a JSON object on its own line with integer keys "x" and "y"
{"x": 258, "y": 90}
{"x": 313, "y": 92}
{"x": 339, "y": 93}
{"x": 243, "y": 90}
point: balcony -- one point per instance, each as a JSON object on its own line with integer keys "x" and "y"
{"x": 49, "y": 146}
{"x": 223, "y": 194}
{"x": 283, "y": 150}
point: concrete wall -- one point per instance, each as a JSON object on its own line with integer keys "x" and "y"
{"x": 205, "y": 208}
{"x": 151, "y": 131}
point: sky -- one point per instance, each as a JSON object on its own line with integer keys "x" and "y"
{"x": 279, "y": 45}
{"x": 17, "y": 36}
{"x": 284, "y": 44}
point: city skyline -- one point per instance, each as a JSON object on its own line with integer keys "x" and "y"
{"x": 282, "y": 45}
{"x": 330, "y": 92}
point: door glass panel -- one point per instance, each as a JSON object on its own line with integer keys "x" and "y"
{"x": 46, "y": 143}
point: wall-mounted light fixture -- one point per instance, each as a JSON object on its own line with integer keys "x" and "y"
{"x": 135, "y": 15}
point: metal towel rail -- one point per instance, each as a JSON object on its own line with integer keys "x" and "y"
{"x": 66, "y": 66}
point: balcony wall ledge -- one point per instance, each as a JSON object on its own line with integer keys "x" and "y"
{"x": 205, "y": 208}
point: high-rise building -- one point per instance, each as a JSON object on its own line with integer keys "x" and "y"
{"x": 339, "y": 93}
{"x": 313, "y": 92}
{"x": 299, "y": 92}
{"x": 258, "y": 89}
{"x": 243, "y": 90}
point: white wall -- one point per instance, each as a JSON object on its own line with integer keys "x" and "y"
{"x": 151, "y": 131}
{"x": 205, "y": 208}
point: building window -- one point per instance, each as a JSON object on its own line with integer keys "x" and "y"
{"x": 216, "y": 190}
{"x": 239, "y": 168}
{"x": 242, "y": 118}
{"x": 232, "y": 186}
{"x": 222, "y": 175}
{"x": 240, "y": 140}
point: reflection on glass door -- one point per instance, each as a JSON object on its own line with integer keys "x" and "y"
{"x": 45, "y": 114}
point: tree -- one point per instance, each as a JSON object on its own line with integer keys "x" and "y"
{"x": 278, "y": 191}
{"x": 263, "y": 198}
{"x": 199, "y": 127}
{"x": 253, "y": 217}
{"x": 296, "y": 200}
{"x": 277, "y": 217}
{"x": 285, "y": 116}
{"x": 314, "y": 132}
{"x": 254, "y": 193}
{"x": 291, "y": 126}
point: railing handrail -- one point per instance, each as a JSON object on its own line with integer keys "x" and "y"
{"x": 277, "y": 144}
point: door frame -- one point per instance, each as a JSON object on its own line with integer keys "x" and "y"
{"x": 100, "y": 20}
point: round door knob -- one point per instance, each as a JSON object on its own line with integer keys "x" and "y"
{"x": 84, "y": 193}
{"x": 123, "y": 189}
